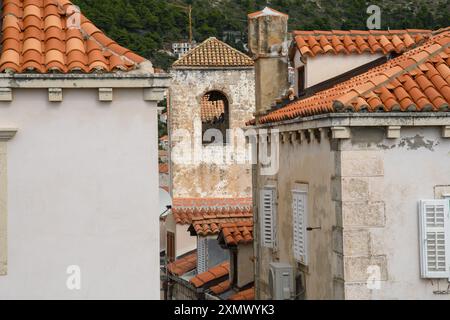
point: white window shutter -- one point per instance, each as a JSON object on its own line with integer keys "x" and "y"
{"x": 202, "y": 254}
{"x": 300, "y": 213}
{"x": 267, "y": 217}
{"x": 434, "y": 238}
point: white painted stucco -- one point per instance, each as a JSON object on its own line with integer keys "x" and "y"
{"x": 413, "y": 167}
{"x": 82, "y": 190}
{"x": 324, "y": 67}
{"x": 364, "y": 190}
{"x": 184, "y": 242}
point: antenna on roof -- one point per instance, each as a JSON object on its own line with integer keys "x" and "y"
{"x": 188, "y": 9}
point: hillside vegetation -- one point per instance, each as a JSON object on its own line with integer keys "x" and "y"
{"x": 149, "y": 26}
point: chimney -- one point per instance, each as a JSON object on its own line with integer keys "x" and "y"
{"x": 268, "y": 45}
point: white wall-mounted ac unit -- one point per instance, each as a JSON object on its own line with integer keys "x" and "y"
{"x": 281, "y": 281}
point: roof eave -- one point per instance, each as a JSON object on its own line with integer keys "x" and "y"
{"x": 370, "y": 119}
{"x": 203, "y": 68}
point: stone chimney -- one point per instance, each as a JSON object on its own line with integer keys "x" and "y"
{"x": 268, "y": 45}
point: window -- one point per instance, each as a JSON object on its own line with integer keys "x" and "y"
{"x": 301, "y": 79}
{"x": 299, "y": 210}
{"x": 215, "y": 117}
{"x": 267, "y": 217}
{"x": 234, "y": 267}
{"x": 170, "y": 246}
{"x": 202, "y": 254}
{"x": 434, "y": 238}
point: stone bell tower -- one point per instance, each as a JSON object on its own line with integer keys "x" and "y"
{"x": 268, "y": 44}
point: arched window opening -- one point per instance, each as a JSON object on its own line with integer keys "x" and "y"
{"x": 215, "y": 117}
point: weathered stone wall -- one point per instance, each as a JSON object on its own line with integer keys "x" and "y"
{"x": 197, "y": 179}
{"x": 312, "y": 163}
{"x": 382, "y": 181}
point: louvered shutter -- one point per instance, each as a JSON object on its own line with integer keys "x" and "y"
{"x": 299, "y": 210}
{"x": 202, "y": 254}
{"x": 434, "y": 238}
{"x": 267, "y": 217}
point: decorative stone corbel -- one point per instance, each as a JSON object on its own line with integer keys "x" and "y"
{"x": 154, "y": 94}
{"x": 323, "y": 133}
{"x": 304, "y": 136}
{"x": 105, "y": 94}
{"x": 446, "y": 132}
{"x": 55, "y": 94}
{"x": 7, "y": 134}
{"x": 285, "y": 137}
{"x": 340, "y": 132}
{"x": 393, "y": 132}
{"x": 6, "y": 94}
{"x": 314, "y": 134}
{"x": 294, "y": 137}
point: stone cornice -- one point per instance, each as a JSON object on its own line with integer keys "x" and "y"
{"x": 402, "y": 119}
{"x": 7, "y": 134}
{"x": 77, "y": 81}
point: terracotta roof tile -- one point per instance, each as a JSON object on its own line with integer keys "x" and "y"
{"x": 265, "y": 12}
{"x": 214, "y": 222}
{"x": 183, "y": 265}
{"x": 211, "y": 110}
{"x": 317, "y": 42}
{"x": 39, "y": 36}
{"x": 418, "y": 80}
{"x": 221, "y": 287}
{"x": 248, "y": 294}
{"x": 215, "y": 273}
{"x": 185, "y": 210}
{"x": 214, "y": 53}
{"x": 238, "y": 232}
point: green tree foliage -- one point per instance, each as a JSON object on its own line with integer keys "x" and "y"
{"x": 149, "y": 26}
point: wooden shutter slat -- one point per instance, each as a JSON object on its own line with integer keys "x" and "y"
{"x": 434, "y": 238}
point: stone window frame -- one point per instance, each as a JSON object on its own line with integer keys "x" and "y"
{"x": 223, "y": 126}
{"x": 5, "y": 136}
{"x": 228, "y": 95}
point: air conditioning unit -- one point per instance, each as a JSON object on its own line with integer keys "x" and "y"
{"x": 281, "y": 281}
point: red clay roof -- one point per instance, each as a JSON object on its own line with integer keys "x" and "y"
{"x": 185, "y": 209}
{"x": 416, "y": 81}
{"x": 214, "y": 53}
{"x": 312, "y": 43}
{"x": 221, "y": 287}
{"x": 248, "y": 294}
{"x": 211, "y": 110}
{"x": 51, "y": 35}
{"x": 183, "y": 265}
{"x": 266, "y": 12}
{"x": 212, "y": 223}
{"x": 212, "y": 274}
{"x": 238, "y": 232}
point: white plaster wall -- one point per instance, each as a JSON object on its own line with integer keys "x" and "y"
{"x": 184, "y": 242}
{"x": 413, "y": 166}
{"x": 323, "y": 67}
{"x": 245, "y": 265}
{"x": 82, "y": 190}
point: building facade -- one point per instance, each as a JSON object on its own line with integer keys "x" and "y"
{"x": 211, "y": 98}
{"x": 79, "y": 177}
{"x": 358, "y": 204}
